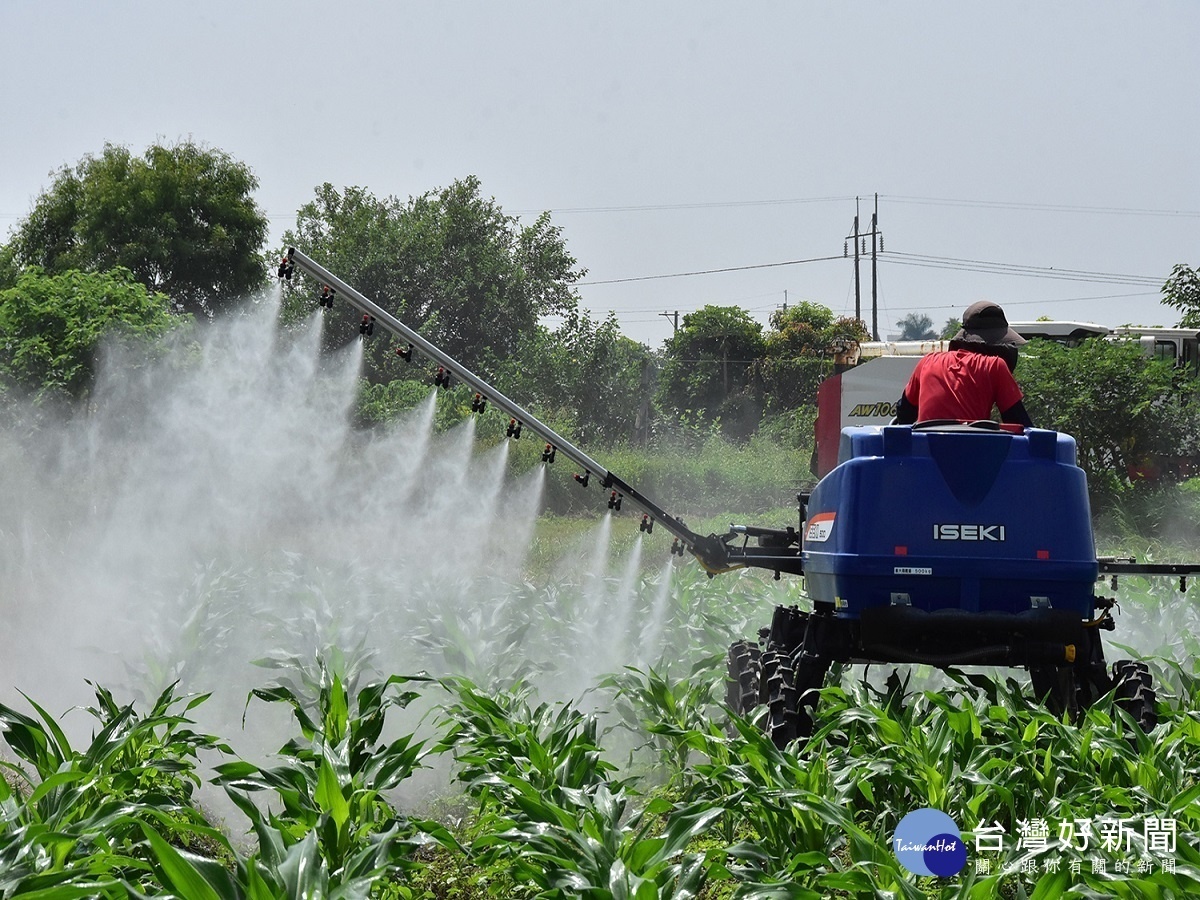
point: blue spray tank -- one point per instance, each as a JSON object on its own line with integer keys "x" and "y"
{"x": 952, "y": 518}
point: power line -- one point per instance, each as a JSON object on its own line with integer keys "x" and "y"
{"x": 656, "y": 207}
{"x": 999, "y": 268}
{"x": 925, "y": 261}
{"x": 790, "y": 262}
{"x": 1044, "y": 207}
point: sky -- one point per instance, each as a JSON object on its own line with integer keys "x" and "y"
{"x": 1040, "y": 155}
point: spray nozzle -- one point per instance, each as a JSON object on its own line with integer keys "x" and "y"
{"x": 549, "y": 453}
{"x": 479, "y": 404}
{"x": 326, "y": 298}
{"x": 514, "y": 429}
{"x": 405, "y": 354}
{"x": 367, "y": 326}
{"x": 584, "y": 478}
{"x": 441, "y": 378}
{"x": 647, "y": 524}
{"x": 614, "y": 501}
{"x": 678, "y": 547}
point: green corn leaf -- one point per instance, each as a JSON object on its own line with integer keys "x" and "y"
{"x": 64, "y": 746}
{"x": 187, "y": 883}
{"x": 57, "y": 780}
{"x": 329, "y": 794}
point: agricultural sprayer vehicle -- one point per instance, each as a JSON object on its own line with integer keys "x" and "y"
{"x": 944, "y": 543}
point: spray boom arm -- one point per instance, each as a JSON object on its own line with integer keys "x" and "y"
{"x": 778, "y": 550}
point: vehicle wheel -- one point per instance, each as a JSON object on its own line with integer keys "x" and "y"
{"x": 781, "y": 698}
{"x": 1134, "y": 692}
{"x": 745, "y": 671}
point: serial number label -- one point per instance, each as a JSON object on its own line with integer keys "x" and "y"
{"x": 911, "y": 570}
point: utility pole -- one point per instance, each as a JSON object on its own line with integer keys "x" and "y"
{"x": 672, "y": 318}
{"x": 860, "y": 245}
{"x": 854, "y": 237}
{"x": 874, "y": 277}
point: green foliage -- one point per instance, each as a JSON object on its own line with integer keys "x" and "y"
{"x": 709, "y": 368}
{"x": 586, "y": 376}
{"x": 75, "y": 816}
{"x": 51, "y": 326}
{"x": 916, "y": 327}
{"x": 951, "y": 328}
{"x": 450, "y": 264}
{"x": 331, "y": 781}
{"x": 710, "y": 807}
{"x": 718, "y": 476}
{"x": 799, "y": 352}
{"x": 652, "y": 703}
{"x": 382, "y": 403}
{"x": 1124, "y": 409}
{"x": 181, "y": 218}
{"x": 550, "y": 812}
{"x": 1182, "y": 291}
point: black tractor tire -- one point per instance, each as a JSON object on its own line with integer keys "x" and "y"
{"x": 780, "y": 696}
{"x": 745, "y": 673}
{"x": 1134, "y": 692}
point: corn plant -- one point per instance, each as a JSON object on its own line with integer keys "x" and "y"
{"x": 502, "y": 743}
{"x": 282, "y": 870}
{"x": 666, "y": 711}
{"x": 590, "y": 844}
{"x": 75, "y": 815}
{"x": 549, "y": 810}
{"x": 332, "y": 781}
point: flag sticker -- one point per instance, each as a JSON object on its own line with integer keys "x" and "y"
{"x": 820, "y": 527}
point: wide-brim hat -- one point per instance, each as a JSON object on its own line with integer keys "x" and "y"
{"x": 984, "y": 322}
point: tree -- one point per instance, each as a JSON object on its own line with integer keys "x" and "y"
{"x": 799, "y": 352}
{"x": 709, "y": 367}
{"x": 587, "y": 377}
{"x": 916, "y": 327}
{"x": 449, "y": 263}
{"x": 51, "y": 326}
{"x": 1182, "y": 291}
{"x": 1124, "y": 409}
{"x": 951, "y": 328}
{"x": 180, "y": 218}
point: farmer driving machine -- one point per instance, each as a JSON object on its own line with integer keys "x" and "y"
{"x": 944, "y": 543}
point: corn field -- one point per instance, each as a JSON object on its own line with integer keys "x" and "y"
{"x": 452, "y": 766}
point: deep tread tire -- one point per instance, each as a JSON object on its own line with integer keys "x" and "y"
{"x": 779, "y": 681}
{"x": 745, "y": 673}
{"x": 1134, "y": 692}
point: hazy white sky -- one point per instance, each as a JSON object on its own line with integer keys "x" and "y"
{"x": 679, "y": 137}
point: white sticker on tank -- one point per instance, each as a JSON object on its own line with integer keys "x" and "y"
{"x": 820, "y": 527}
{"x": 911, "y": 570}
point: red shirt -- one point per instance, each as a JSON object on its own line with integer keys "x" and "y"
{"x": 959, "y": 384}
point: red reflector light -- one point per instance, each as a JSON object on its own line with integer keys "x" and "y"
{"x": 1043, "y": 554}
{"x": 901, "y": 551}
